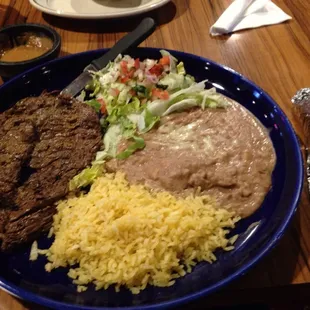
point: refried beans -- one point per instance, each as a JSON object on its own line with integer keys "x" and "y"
{"x": 225, "y": 153}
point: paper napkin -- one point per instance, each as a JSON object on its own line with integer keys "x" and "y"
{"x": 244, "y": 14}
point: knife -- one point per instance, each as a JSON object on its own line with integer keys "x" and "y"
{"x": 131, "y": 40}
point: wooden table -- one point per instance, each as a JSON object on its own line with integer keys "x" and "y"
{"x": 277, "y": 58}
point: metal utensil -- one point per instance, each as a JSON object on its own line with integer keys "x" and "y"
{"x": 131, "y": 40}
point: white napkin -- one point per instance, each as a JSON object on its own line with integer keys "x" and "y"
{"x": 243, "y": 14}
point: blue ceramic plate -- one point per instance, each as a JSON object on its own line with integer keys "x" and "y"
{"x": 29, "y": 281}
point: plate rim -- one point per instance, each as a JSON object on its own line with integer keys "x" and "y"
{"x": 132, "y": 12}
{"x": 278, "y": 234}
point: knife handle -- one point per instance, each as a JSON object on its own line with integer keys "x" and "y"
{"x": 132, "y": 39}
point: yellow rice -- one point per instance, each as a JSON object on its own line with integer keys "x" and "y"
{"x": 126, "y": 235}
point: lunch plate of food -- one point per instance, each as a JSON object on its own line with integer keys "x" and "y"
{"x": 93, "y": 9}
{"x": 168, "y": 177}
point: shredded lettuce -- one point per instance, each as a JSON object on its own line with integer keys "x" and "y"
{"x": 150, "y": 120}
{"x": 144, "y": 121}
{"x": 94, "y": 104}
{"x": 138, "y": 120}
{"x": 81, "y": 96}
{"x": 193, "y": 89}
{"x": 128, "y": 127}
{"x": 173, "y": 61}
{"x": 111, "y": 139}
{"x": 124, "y": 96}
{"x": 118, "y": 86}
{"x": 181, "y": 105}
{"x": 138, "y": 144}
{"x": 172, "y": 81}
{"x": 86, "y": 177}
{"x": 180, "y": 68}
{"x": 94, "y": 86}
{"x": 195, "y": 95}
{"x": 116, "y": 112}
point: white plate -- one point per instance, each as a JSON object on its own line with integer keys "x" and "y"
{"x": 92, "y": 9}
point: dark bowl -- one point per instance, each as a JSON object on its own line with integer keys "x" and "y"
{"x": 258, "y": 233}
{"x": 10, "y": 69}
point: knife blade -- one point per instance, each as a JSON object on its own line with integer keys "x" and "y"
{"x": 129, "y": 41}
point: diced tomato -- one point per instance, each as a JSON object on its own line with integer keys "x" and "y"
{"x": 137, "y": 63}
{"x": 157, "y": 69}
{"x": 132, "y": 93}
{"x": 115, "y": 92}
{"x": 103, "y": 108}
{"x": 124, "y": 67}
{"x": 124, "y": 79}
{"x": 165, "y": 95}
{"x": 160, "y": 94}
{"x": 155, "y": 92}
{"x": 165, "y": 61}
{"x": 131, "y": 73}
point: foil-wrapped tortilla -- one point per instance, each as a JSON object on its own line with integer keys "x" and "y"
{"x": 301, "y": 106}
{"x": 301, "y": 103}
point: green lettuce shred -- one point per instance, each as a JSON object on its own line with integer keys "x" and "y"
{"x": 117, "y": 112}
{"x": 138, "y": 144}
{"x": 128, "y": 128}
{"x": 94, "y": 86}
{"x": 86, "y": 177}
{"x": 181, "y": 68}
{"x": 150, "y": 120}
{"x": 94, "y": 104}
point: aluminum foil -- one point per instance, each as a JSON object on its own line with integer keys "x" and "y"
{"x": 302, "y": 96}
{"x": 301, "y": 105}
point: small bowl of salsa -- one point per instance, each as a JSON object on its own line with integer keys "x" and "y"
{"x": 24, "y": 46}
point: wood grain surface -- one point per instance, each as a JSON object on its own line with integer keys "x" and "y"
{"x": 276, "y": 57}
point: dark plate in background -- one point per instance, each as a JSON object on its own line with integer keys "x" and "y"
{"x": 29, "y": 281}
